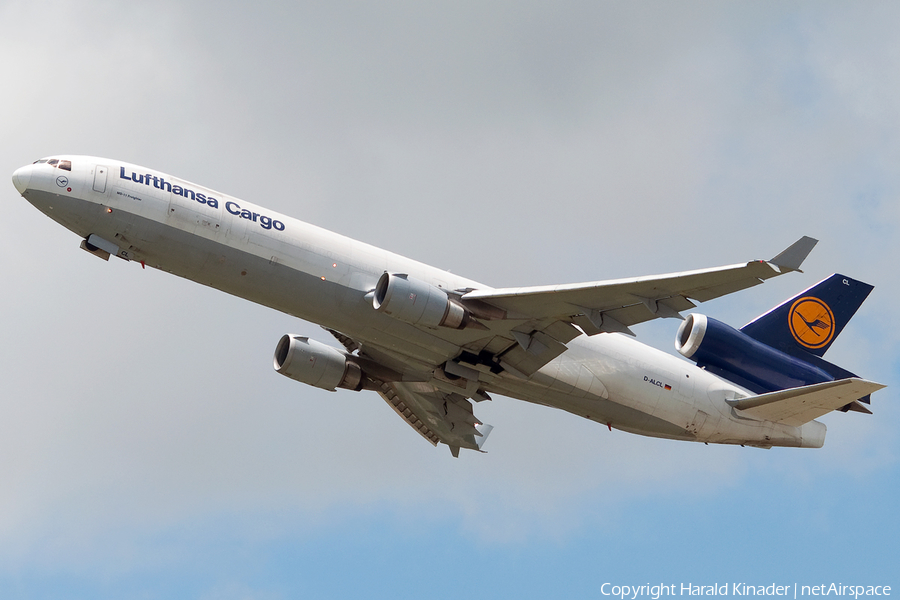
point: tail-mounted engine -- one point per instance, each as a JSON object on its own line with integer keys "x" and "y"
{"x": 317, "y": 364}
{"x": 741, "y": 359}
{"x": 417, "y": 302}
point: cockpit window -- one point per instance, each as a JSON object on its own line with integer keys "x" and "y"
{"x": 55, "y": 162}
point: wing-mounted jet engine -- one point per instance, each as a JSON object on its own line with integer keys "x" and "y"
{"x": 782, "y": 349}
{"x": 418, "y": 303}
{"x": 317, "y": 364}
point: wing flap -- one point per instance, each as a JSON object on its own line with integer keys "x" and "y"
{"x": 797, "y": 406}
{"x": 406, "y": 413}
{"x": 436, "y": 415}
{"x": 530, "y": 352}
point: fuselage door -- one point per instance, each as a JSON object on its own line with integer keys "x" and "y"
{"x": 100, "y": 178}
{"x": 697, "y": 424}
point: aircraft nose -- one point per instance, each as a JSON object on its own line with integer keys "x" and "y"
{"x": 21, "y": 178}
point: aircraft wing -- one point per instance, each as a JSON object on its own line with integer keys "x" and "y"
{"x": 797, "y": 406}
{"x": 613, "y": 306}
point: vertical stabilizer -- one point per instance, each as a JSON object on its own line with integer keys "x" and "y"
{"x": 809, "y": 322}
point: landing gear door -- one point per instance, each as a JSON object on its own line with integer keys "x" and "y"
{"x": 100, "y": 173}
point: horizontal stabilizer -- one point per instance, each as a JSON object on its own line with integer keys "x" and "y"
{"x": 797, "y": 406}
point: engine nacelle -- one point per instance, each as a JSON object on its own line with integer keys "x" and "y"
{"x": 741, "y": 358}
{"x": 417, "y": 302}
{"x": 316, "y": 364}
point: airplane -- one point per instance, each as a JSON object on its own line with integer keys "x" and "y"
{"x": 432, "y": 343}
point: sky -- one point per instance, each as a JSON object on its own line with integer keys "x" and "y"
{"x": 148, "y": 449}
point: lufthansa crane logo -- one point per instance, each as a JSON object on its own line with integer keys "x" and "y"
{"x": 811, "y": 322}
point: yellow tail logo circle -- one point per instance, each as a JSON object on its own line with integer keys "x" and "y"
{"x": 811, "y": 322}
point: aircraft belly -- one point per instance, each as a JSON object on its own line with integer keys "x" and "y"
{"x": 590, "y": 384}
{"x": 647, "y": 382}
{"x": 696, "y": 404}
{"x": 723, "y": 425}
{"x": 600, "y": 410}
{"x": 653, "y": 393}
{"x": 301, "y": 283}
{"x": 270, "y": 281}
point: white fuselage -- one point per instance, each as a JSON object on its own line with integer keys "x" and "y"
{"x": 314, "y": 274}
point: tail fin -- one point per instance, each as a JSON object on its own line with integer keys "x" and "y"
{"x": 809, "y": 322}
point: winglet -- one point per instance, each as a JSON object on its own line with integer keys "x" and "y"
{"x": 791, "y": 258}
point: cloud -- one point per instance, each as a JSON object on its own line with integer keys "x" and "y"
{"x": 536, "y": 143}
